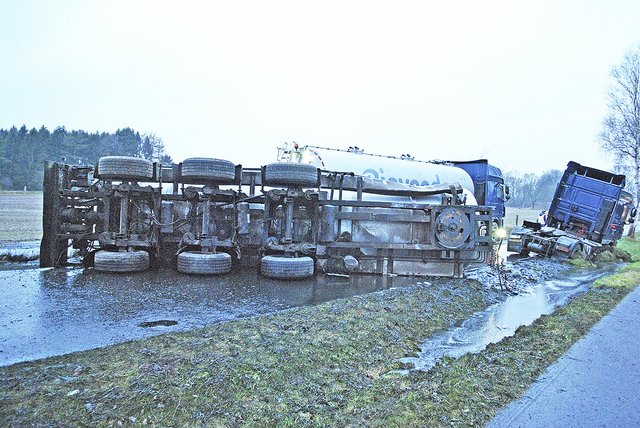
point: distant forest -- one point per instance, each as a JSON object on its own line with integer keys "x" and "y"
{"x": 23, "y": 151}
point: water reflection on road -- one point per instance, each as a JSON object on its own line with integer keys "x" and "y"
{"x": 503, "y": 319}
{"x": 46, "y": 312}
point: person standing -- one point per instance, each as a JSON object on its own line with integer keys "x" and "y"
{"x": 542, "y": 217}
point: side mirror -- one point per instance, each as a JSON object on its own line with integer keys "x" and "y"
{"x": 507, "y": 195}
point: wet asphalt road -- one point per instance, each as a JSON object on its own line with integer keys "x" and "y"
{"x": 595, "y": 384}
{"x": 46, "y": 312}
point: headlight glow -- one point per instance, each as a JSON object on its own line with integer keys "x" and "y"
{"x": 501, "y": 233}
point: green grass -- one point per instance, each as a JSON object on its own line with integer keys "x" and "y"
{"x": 20, "y": 216}
{"x": 335, "y": 364}
{"x": 299, "y": 367}
{"x": 629, "y": 276}
{"x": 471, "y": 390}
{"x": 631, "y": 246}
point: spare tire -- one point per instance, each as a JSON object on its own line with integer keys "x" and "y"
{"x": 208, "y": 169}
{"x": 290, "y": 174}
{"x": 117, "y": 261}
{"x": 281, "y": 267}
{"x": 122, "y": 167}
{"x": 196, "y": 262}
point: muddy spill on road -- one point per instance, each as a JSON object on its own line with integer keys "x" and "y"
{"x": 45, "y": 312}
{"x": 503, "y": 319}
{"x": 26, "y": 251}
{"x": 158, "y": 323}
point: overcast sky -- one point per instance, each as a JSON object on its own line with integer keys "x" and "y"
{"x": 520, "y": 83}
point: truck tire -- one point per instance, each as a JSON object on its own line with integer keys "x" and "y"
{"x": 581, "y": 251}
{"x": 195, "y": 262}
{"x": 281, "y": 267}
{"x": 290, "y": 174}
{"x": 209, "y": 169}
{"x": 122, "y": 167}
{"x": 117, "y": 261}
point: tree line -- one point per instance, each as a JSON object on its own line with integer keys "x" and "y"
{"x": 531, "y": 190}
{"x": 23, "y": 151}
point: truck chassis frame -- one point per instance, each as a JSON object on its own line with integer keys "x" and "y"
{"x": 328, "y": 221}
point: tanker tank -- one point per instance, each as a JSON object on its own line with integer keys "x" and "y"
{"x": 405, "y": 169}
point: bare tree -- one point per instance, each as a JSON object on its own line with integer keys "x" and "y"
{"x": 621, "y": 127}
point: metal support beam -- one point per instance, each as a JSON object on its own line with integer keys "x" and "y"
{"x": 53, "y": 249}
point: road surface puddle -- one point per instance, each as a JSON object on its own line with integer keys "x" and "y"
{"x": 45, "y": 312}
{"x": 503, "y": 319}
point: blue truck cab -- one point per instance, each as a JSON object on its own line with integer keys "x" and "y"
{"x": 592, "y": 204}
{"x": 589, "y": 210}
{"x": 489, "y": 187}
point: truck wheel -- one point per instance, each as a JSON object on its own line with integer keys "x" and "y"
{"x": 122, "y": 167}
{"x": 280, "y": 267}
{"x": 210, "y": 169}
{"x": 195, "y": 262}
{"x": 582, "y": 251}
{"x": 290, "y": 174}
{"x": 117, "y": 261}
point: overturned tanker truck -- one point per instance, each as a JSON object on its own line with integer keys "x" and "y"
{"x": 481, "y": 182}
{"x": 290, "y": 219}
{"x": 588, "y": 212}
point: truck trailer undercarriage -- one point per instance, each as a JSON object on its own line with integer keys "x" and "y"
{"x": 292, "y": 220}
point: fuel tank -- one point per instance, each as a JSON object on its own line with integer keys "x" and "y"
{"x": 405, "y": 169}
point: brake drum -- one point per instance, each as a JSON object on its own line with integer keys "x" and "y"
{"x": 452, "y": 228}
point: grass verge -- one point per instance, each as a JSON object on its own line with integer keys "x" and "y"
{"x": 472, "y": 389}
{"x": 335, "y": 364}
